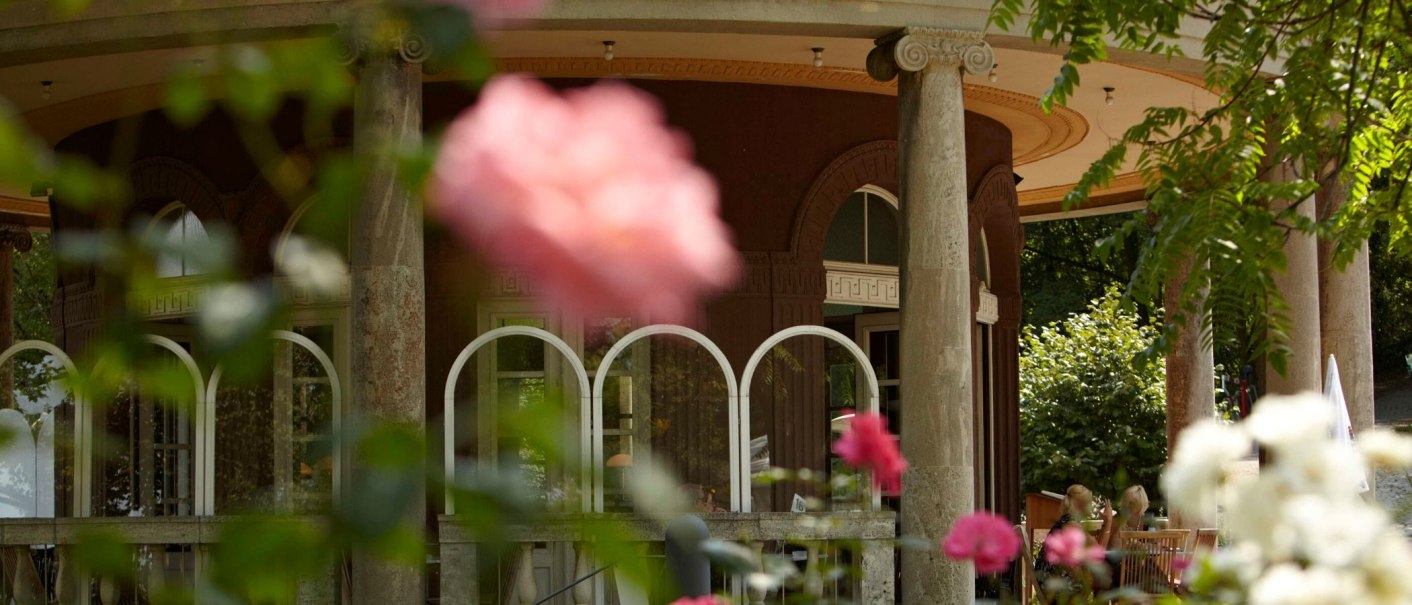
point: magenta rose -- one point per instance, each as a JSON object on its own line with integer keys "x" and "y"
{"x": 867, "y": 444}
{"x": 1069, "y": 547}
{"x": 985, "y": 538}
{"x": 591, "y": 192}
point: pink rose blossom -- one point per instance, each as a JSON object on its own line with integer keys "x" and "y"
{"x": 985, "y": 538}
{"x": 1181, "y": 563}
{"x": 1069, "y": 547}
{"x": 706, "y": 600}
{"x": 867, "y": 444}
{"x": 591, "y": 192}
{"x": 489, "y": 14}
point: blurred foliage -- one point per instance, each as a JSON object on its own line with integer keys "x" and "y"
{"x": 1332, "y": 107}
{"x": 1078, "y": 374}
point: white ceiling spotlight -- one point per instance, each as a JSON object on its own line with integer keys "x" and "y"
{"x": 818, "y": 56}
{"x": 608, "y": 50}
{"x": 1108, "y": 95}
{"x": 46, "y": 89}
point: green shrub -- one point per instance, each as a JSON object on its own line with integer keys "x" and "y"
{"x": 1087, "y": 415}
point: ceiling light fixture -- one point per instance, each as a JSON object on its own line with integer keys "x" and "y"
{"x": 608, "y": 50}
{"x": 818, "y": 56}
{"x": 1108, "y": 95}
{"x": 46, "y": 89}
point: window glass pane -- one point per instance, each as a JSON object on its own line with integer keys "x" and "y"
{"x": 882, "y": 349}
{"x": 884, "y": 239}
{"x": 524, "y": 393}
{"x": 180, "y": 229}
{"x": 520, "y": 353}
{"x": 311, "y": 417}
{"x": 145, "y": 459}
{"x": 845, "y": 238}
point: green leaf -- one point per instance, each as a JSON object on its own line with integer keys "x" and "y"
{"x": 186, "y": 100}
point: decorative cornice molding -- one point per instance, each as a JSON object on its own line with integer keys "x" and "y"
{"x": 511, "y": 282}
{"x": 989, "y": 309}
{"x": 181, "y": 297}
{"x": 710, "y": 70}
{"x": 868, "y": 287}
{"x": 917, "y": 48}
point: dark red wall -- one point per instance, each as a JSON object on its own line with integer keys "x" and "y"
{"x": 768, "y": 146}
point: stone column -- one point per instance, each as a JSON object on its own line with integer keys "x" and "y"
{"x": 1346, "y": 316}
{"x": 10, "y": 240}
{"x": 1299, "y": 284}
{"x": 936, "y": 297}
{"x": 389, "y": 311}
{"x": 1191, "y": 378}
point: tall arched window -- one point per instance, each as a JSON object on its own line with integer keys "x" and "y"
{"x": 180, "y": 230}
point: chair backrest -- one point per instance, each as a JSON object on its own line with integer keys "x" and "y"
{"x": 1148, "y": 557}
{"x": 1042, "y": 511}
{"x": 1205, "y": 540}
{"x": 1026, "y": 586}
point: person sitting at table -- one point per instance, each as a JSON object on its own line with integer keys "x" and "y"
{"x": 1132, "y": 516}
{"x": 1077, "y": 502}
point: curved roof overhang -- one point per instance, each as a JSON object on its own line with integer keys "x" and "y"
{"x": 111, "y": 61}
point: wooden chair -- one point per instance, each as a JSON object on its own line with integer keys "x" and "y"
{"x": 1025, "y": 584}
{"x": 1148, "y": 557}
{"x": 1042, "y": 511}
{"x": 1204, "y": 540}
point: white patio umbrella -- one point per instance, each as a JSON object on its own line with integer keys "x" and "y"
{"x": 1343, "y": 425}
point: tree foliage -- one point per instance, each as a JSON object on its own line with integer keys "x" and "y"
{"x": 1061, "y": 269}
{"x": 1311, "y": 86}
{"x": 1391, "y": 283}
{"x": 1086, "y": 414}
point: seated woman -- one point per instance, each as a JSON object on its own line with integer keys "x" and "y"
{"x": 1132, "y": 516}
{"x": 1077, "y": 502}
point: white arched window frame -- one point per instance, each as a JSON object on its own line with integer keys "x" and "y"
{"x": 739, "y": 466}
{"x": 748, "y": 375}
{"x": 207, "y": 474}
{"x": 82, "y": 448}
{"x": 453, "y": 377}
{"x": 179, "y": 228}
{"x": 84, "y": 438}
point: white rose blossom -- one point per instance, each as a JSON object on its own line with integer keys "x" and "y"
{"x": 1200, "y": 464}
{"x": 1288, "y": 584}
{"x": 1385, "y": 448}
{"x": 1289, "y": 422}
{"x": 1302, "y": 532}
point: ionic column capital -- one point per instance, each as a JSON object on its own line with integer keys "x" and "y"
{"x": 356, "y": 43}
{"x": 919, "y": 48}
{"x": 16, "y": 239}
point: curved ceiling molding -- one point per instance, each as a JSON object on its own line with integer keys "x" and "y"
{"x": 1128, "y": 182}
{"x": 1036, "y": 135}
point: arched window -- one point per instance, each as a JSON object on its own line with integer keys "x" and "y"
{"x": 865, "y": 230}
{"x": 862, "y": 249}
{"x": 180, "y": 230}
{"x": 296, "y": 226}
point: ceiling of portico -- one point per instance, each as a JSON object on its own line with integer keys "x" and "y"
{"x": 1051, "y": 151}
